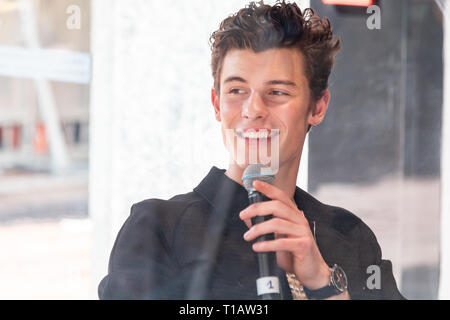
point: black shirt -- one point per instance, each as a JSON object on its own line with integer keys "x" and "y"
{"x": 193, "y": 244}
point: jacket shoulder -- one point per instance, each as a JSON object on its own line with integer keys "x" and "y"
{"x": 169, "y": 219}
{"x": 345, "y": 225}
{"x": 160, "y": 209}
{"x": 337, "y": 218}
{"x": 145, "y": 243}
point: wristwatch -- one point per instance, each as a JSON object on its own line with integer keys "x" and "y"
{"x": 337, "y": 285}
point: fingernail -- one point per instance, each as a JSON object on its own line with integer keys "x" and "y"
{"x": 247, "y": 234}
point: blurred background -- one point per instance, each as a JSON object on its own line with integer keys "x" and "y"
{"x": 104, "y": 103}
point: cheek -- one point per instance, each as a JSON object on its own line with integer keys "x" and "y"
{"x": 229, "y": 112}
{"x": 229, "y": 116}
{"x": 293, "y": 120}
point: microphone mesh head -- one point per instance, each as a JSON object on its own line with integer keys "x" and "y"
{"x": 254, "y": 172}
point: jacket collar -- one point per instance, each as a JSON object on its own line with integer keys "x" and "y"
{"x": 217, "y": 188}
{"x": 222, "y": 192}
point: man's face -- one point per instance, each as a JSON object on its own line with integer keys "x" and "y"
{"x": 265, "y": 90}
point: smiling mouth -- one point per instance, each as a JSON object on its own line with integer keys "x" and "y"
{"x": 260, "y": 134}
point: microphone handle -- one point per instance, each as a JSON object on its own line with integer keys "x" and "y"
{"x": 268, "y": 284}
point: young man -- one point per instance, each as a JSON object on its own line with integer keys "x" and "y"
{"x": 270, "y": 66}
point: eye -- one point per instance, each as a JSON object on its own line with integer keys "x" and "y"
{"x": 236, "y": 91}
{"x": 278, "y": 93}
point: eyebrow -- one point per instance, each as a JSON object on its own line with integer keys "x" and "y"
{"x": 234, "y": 78}
{"x": 285, "y": 82}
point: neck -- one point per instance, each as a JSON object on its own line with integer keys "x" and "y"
{"x": 285, "y": 178}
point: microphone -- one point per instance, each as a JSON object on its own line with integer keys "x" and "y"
{"x": 268, "y": 284}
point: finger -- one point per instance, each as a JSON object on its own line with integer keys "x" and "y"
{"x": 273, "y": 192}
{"x": 297, "y": 245}
{"x": 276, "y": 207}
{"x": 275, "y": 225}
{"x": 248, "y": 223}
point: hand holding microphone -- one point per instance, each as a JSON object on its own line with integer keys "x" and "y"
{"x": 292, "y": 240}
{"x": 268, "y": 284}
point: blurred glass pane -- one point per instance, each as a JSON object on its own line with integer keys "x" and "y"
{"x": 45, "y": 230}
{"x": 378, "y": 151}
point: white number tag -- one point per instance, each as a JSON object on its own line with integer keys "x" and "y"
{"x": 267, "y": 285}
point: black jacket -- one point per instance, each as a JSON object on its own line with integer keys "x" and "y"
{"x": 193, "y": 243}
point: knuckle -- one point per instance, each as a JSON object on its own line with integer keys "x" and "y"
{"x": 307, "y": 242}
{"x": 275, "y": 221}
{"x": 278, "y": 202}
{"x": 284, "y": 242}
{"x": 259, "y": 206}
{"x": 251, "y": 209}
{"x": 298, "y": 243}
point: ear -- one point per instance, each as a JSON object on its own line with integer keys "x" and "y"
{"x": 216, "y": 104}
{"x": 320, "y": 108}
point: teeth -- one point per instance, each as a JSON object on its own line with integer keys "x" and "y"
{"x": 263, "y": 134}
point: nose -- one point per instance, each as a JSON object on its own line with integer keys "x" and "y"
{"x": 254, "y": 108}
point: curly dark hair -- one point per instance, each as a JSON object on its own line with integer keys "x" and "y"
{"x": 283, "y": 25}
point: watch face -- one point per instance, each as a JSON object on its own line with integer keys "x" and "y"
{"x": 339, "y": 278}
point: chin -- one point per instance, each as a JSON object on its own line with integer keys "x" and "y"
{"x": 274, "y": 165}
